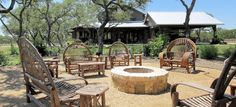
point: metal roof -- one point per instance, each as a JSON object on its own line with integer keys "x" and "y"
{"x": 178, "y": 18}
{"x": 130, "y": 24}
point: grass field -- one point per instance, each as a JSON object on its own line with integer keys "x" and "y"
{"x": 222, "y": 47}
{"x": 6, "y": 51}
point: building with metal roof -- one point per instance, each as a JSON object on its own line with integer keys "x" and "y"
{"x": 141, "y": 27}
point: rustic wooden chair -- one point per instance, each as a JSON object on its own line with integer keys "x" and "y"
{"x": 216, "y": 96}
{"x": 75, "y": 53}
{"x": 118, "y": 54}
{"x": 39, "y": 80}
{"x": 180, "y": 52}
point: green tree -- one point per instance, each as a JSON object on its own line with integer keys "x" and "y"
{"x": 52, "y": 13}
{"x": 109, "y": 10}
{"x": 44, "y": 22}
{"x": 18, "y": 16}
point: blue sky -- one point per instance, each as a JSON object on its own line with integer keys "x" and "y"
{"x": 223, "y": 10}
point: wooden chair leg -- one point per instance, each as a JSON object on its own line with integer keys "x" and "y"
{"x": 187, "y": 68}
{"x": 103, "y": 100}
{"x": 57, "y": 72}
{"x": 27, "y": 92}
{"x": 175, "y": 98}
{"x": 105, "y": 62}
{"x": 112, "y": 64}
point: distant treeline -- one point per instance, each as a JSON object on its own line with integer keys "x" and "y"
{"x": 5, "y": 39}
{"x": 227, "y": 34}
{"x": 206, "y": 35}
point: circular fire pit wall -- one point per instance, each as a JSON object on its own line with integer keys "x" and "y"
{"x": 139, "y": 79}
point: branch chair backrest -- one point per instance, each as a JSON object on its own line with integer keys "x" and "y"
{"x": 183, "y": 45}
{"x": 77, "y": 52}
{"x": 118, "y": 49}
{"x": 35, "y": 70}
{"x": 225, "y": 77}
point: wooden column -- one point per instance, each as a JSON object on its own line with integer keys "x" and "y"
{"x": 127, "y": 37}
{"x": 214, "y": 31}
{"x": 152, "y": 32}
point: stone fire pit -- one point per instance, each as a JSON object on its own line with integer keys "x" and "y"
{"x": 139, "y": 79}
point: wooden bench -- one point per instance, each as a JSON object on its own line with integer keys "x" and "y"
{"x": 91, "y": 67}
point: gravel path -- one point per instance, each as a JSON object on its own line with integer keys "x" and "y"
{"x": 12, "y": 90}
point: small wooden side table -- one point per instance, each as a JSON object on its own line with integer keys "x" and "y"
{"x": 52, "y": 65}
{"x": 90, "y": 95}
{"x": 138, "y": 59}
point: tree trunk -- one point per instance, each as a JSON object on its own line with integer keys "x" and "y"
{"x": 100, "y": 33}
{"x": 49, "y": 35}
{"x": 187, "y": 18}
{"x": 198, "y": 33}
{"x": 186, "y": 24}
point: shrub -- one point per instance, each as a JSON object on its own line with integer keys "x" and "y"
{"x": 146, "y": 50}
{"x": 208, "y": 52}
{"x": 3, "y": 59}
{"x": 228, "y": 51}
{"x": 135, "y": 49}
{"x": 14, "y": 50}
{"x": 52, "y": 51}
{"x": 93, "y": 49}
{"x": 157, "y": 44}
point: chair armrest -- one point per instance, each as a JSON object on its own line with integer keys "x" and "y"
{"x": 186, "y": 57}
{"x": 193, "y": 85}
{"x": 126, "y": 56}
{"x": 161, "y": 55}
{"x": 67, "y": 58}
{"x": 187, "y": 54}
{"x": 112, "y": 57}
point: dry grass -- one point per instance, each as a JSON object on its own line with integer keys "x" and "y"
{"x": 12, "y": 90}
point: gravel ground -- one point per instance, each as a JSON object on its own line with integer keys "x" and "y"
{"x": 12, "y": 90}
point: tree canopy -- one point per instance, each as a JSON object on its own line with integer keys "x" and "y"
{"x": 113, "y": 10}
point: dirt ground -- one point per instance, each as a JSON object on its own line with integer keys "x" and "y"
{"x": 12, "y": 89}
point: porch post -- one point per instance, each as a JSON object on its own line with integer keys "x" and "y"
{"x": 214, "y": 31}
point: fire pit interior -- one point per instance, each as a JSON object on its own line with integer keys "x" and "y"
{"x": 138, "y": 70}
{"x": 139, "y": 79}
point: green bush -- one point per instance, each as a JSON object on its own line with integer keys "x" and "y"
{"x": 94, "y": 49}
{"x": 3, "y": 59}
{"x": 157, "y": 44}
{"x": 208, "y": 52}
{"x": 135, "y": 49}
{"x": 228, "y": 51}
{"x": 52, "y": 51}
{"x": 13, "y": 50}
